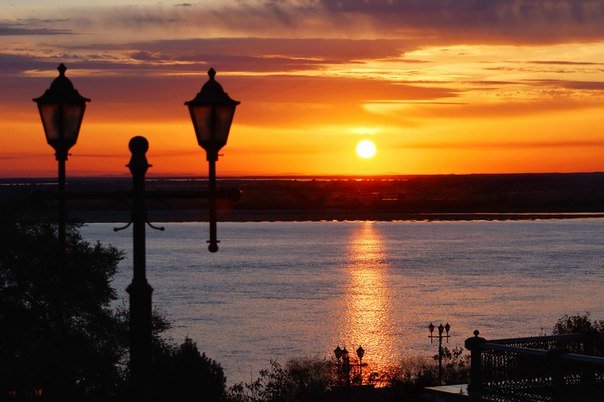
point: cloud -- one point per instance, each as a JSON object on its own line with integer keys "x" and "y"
{"x": 16, "y": 63}
{"x": 507, "y": 21}
{"x": 504, "y": 109}
{"x": 569, "y": 84}
{"x": 266, "y": 55}
{"x": 16, "y": 29}
{"x": 320, "y": 50}
{"x": 505, "y": 144}
{"x": 565, "y": 63}
{"x": 423, "y": 21}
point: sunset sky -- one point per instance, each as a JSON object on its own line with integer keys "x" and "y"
{"x": 440, "y": 86}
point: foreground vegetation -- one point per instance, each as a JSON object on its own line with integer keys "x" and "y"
{"x": 60, "y": 336}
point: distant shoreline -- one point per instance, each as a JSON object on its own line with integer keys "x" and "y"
{"x": 330, "y": 216}
{"x": 409, "y": 198}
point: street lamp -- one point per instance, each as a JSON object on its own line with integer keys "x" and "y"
{"x": 61, "y": 109}
{"x": 441, "y": 328}
{"x": 360, "y": 354}
{"x": 344, "y": 365}
{"x": 212, "y": 112}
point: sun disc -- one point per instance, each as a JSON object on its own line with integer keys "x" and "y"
{"x": 366, "y": 149}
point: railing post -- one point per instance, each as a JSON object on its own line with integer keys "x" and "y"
{"x": 554, "y": 357}
{"x": 589, "y": 373}
{"x": 474, "y": 345}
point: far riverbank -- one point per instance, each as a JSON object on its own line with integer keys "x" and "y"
{"x": 327, "y": 215}
{"x": 295, "y": 199}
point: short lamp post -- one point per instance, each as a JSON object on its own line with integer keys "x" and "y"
{"x": 344, "y": 365}
{"x": 441, "y": 328}
{"x": 212, "y": 112}
{"x": 61, "y": 109}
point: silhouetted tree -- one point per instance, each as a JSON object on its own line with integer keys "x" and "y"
{"x": 570, "y": 324}
{"x": 184, "y": 374}
{"x": 59, "y": 333}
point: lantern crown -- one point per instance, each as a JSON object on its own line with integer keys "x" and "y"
{"x": 61, "y": 91}
{"x": 211, "y": 93}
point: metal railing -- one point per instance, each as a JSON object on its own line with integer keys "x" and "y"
{"x": 544, "y": 368}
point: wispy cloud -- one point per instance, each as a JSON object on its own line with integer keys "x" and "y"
{"x": 570, "y": 84}
{"x": 504, "y": 144}
{"x": 425, "y": 21}
{"x": 24, "y": 29}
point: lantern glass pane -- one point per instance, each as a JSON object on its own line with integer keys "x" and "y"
{"x": 72, "y": 118}
{"x": 61, "y": 122}
{"x": 51, "y": 120}
{"x": 223, "y": 120}
{"x": 202, "y": 121}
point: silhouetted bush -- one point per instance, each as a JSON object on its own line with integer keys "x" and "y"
{"x": 299, "y": 380}
{"x": 184, "y": 374}
{"x": 570, "y": 324}
{"x": 414, "y": 373}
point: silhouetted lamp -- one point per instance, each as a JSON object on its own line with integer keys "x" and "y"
{"x": 338, "y": 352}
{"x": 61, "y": 109}
{"x": 212, "y": 112}
{"x": 441, "y": 328}
{"x": 360, "y": 352}
{"x": 345, "y": 354}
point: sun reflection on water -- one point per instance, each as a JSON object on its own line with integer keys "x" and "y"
{"x": 367, "y": 314}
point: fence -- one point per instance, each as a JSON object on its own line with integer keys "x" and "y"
{"x": 545, "y": 368}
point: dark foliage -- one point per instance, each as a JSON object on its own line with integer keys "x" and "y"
{"x": 184, "y": 374}
{"x": 299, "y": 380}
{"x": 570, "y": 324}
{"x": 59, "y": 333}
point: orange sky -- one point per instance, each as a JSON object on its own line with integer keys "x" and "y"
{"x": 439, "y": 86}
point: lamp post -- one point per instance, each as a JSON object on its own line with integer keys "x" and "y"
{"x": 139, "y": 290}
{"x": 212, "y": 112}
{"x": 360, "y": 354}
{"x": 344, "y": 365}
{"x": 61, "y": 109}
{"x": 440, "y": 337}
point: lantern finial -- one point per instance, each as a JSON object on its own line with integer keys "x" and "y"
{"x": 62, "y": 69}
{"x": 212, "y": 73}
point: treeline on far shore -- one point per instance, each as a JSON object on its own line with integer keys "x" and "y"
{"x": 436, "y": 197}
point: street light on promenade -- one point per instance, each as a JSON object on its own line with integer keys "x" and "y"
{"x": 345, "y": 367}
{"x": 61, "y": 109}
{"x": 441, "y": 328}
{"x": 212, "y": 112}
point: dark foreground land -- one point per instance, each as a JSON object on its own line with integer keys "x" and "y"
{"x": 442, "y": 197}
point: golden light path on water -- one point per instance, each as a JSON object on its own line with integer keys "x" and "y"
{"x": 368, "y": 318}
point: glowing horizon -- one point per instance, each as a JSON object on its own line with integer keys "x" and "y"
{"x": 490, "y": 90}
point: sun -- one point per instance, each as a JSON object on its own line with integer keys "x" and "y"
{"x": 366, "y": 149}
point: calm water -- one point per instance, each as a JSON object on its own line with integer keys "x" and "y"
{"x": 290, "y": 289}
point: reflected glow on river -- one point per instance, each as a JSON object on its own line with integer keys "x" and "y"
{"x": 291, "y": 289}
{"x": 368, "y": 320}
